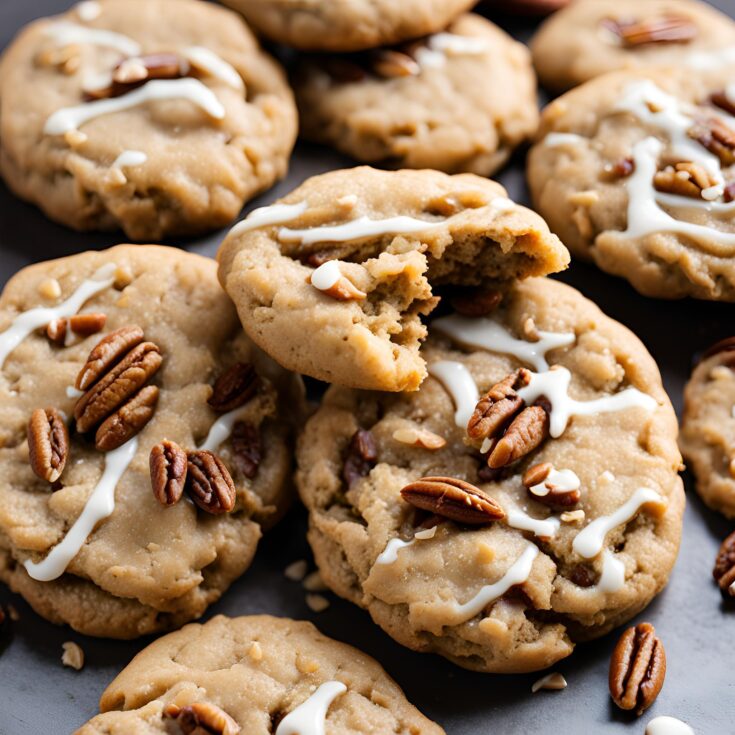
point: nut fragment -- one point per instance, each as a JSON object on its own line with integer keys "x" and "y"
{"x": 498, "y": 406}
{"x": 418, "y": 437}
{"x": 723, "y": 100}
{"x": 476, "y": 301}
{"x": 168, "y": 466}
{"x": 666, "y": 29}
{"x": 209, "y": 483}
{"x": 525, "y": 433}
{"x": 48, "y": 443}
{"x": 637, "y": 668}
{"x": 234, "y": 388}
{"x": 80, "y": 324}
{"x": 717, "y": 137}
{"x": 317, "y": 603}
{"x": 247, "y": 448}
{"x": 553, "y": 681}
{"x": 108, "y": 351}
{"x": 724, "y": 571}
{"x": 127, "y": 421}
{"x": 620, "y": 169}
{"x": 388, "y": 63}
{"x": 362, "y": 454}
{"x": 552, "y": 493}
{"x": 454, "y": 499}
{"x": 202, "y": 718}
{"x": 135, "y": 71}
{"x": 685, "y": 179}
{"x": 73, "y": 655}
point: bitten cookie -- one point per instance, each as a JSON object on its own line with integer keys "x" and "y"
{"x": 111, "y": 118}
{"x": 331, "y": 280}
{"x": 345, "y": 25}
{"x": 255, "y": 675}
{"x": 507, "y": 509}
{"x": 458, "y": 100}
{"x": 634, "y": 170}
{"x": 104, "y": 356}
{"x": 592, "y": 37}
{"x": 707, "y": 438}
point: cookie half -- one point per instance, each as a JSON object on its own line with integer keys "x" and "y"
{"x": 524, "y": 499}
{"x": 112, "y": 119}
{"x": 257, "y": 674}
{"x": 82, "y": 536}
{"x": 332, "y": 279}
{"x": 458, "y": 101}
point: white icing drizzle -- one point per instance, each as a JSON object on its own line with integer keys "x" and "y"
{"x": 676, "y": 200}
{"x": 517, "y": 574}
{"x": 27, "y": 322}
{"x": 552, "y": 140}
{"x": 99, "y": 506}
{"x": 666, "y": 725}
{"x": 276, "y": 214}
{"x": 214, "y": 65}
{"x": 309, "y": 717}
{"x": 460, "y": 385}
{"x": 554, "y": 385}
{"x": 221, "y": 429}
{"x": 588, "y": 542}
{"x": 441, "y": 45}
{"x": 70, "y": 118}
{"x": 711, "y": 60}
{"x": 130, "y": 158}
{"x": 564, "y": 480}
{"x": 487, "y": 334}
{"x": 390, "y": 553}
{"x": 72, "y": 392}
{"x": 543, "y": 528}
{"x": 612, "y": 578}
{"x": 326, "y": 275}
{"x": 65, "y": 33}
{"x": 88, "y": 10}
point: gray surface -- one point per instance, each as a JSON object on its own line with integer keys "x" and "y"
{"x": 40, "y": 696}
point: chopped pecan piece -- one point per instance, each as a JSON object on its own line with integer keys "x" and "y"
{"x": 476, "y": 301}
{"x": 202, "y": 718}
{"x": 135, "y": 71}
{"x": 729, "y": 194}
{"x": 127, "y": 421}
{"x": 418, "y": 437}
{"x": 48, "y": 443}
{"x": 716, "y": 137}
{"x": 362, "y": 454}
{"x": 247, "y": 448}
{"x": 686, "y": 179}
{"x": 234, "y": 388}
{"x": 666, "y": 29}
{"x": 724, "y": 571}
{"x": 498, "y": 406}
{"x": 722, "y": 100}
{"x": 389, "y": 63}
{"x": 551, "y": 494}
{"x": 168, "y": 465}
{"x": 209, "y": 483}
{"x": 80, "y": 324}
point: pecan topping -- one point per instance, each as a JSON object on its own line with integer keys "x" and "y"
{"x": 498, "y": 406}
{"x": 549, "y": 494}
{"x": 389, "y": 63}
{"x": 729, "y": 194}
{"x": 666, "y": 29}
{"x": 127, "y": 421}
{"x": 80, "y": 324}
{"x": 109, "y": 351}
{"x": 525, "y": 433}
{"x": 476, "y": 301}
{"x": 724, "y": 571}
{"x": 209, "y": 483}
{"x": 637, "y": 668}
{"x": 137, "y": 70}
{"x": 686, "y": 179}
{"x": 247, "y": 448}
{"x": 722, "y": 100}
{"x": 48, "y": 443}
{"x": 419, "y": 437}
{"x": 716, "y": 137}
{"x": 362, "y": 454}
{"x": 454, "y": 499}
{"x": 168, "y": 465}
{"x": 234, "y": 388}
{"x": 202, "y": 718}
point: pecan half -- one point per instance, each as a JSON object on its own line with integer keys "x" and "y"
{"x": 716, "y": 137}
{"x": 209, "y": 483}
{"x": 48, "y": 443}
{"x": 127, "y": 421}
{"x": 476, "y": 301}
{"x": 498, "y": 406}
{"x": 551, "y": 494}
{"x": 362, "y": 454}
{"x": 389, "y": 63}
{"x": 666, "y": 29}
{"x": 234, "y": 388}
{"x": 168, "y": 464}
{"x": 108, "y": 352}
{"x": 454, "y": 499}
{"x": 80, "y": 324}
{"x": 135, "y": 71}
{"x": 247, "y": 448}
{"x": 722, "y": 100}
{"x": 637, "y": 668}
{"x": 526, "y": 432}
{"x": 202, "y": 718}
{"x": 724, "y": 571}
{"x": 686, "y": 179}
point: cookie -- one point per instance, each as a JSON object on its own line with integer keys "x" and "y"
{"x": 634, "y": 171}
{"x": 341, "y": 25}
{"x": 112, "y": 119}
{"x": 591, "y": 37}
{"x": 259, "y": 674}
{"x": 707, "y": 438}
{"x": 505, "y": 510}
{"x": 82, "y": 536}
{"x": 331, "y": 280}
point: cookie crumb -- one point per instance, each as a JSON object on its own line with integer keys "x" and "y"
{"x": 348, "y": 201}
{"x": 73, "y": 655}
{"x": 554, "y": 681}
{"x": 314, "y": 583}
{"x": 317, "y": 603}
{"x": 255, "y": 651}
{"x": 296, "y": 571}
{"x": 75, "y": 138}
{"x": 306, "y": 666}
{"x": 13, "y": 613}
{"x": 49, "y": 288}
{"x": 530, "y": 332}
{"x": 485, "y": 553}
{"x": 123, "y": 276}
{"x": 606, "y": 478}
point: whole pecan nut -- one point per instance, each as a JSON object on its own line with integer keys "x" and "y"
{"x": 80, "y": 324}
{"x": 554, "y": 496}
{"x": 107, "y": 353}
{"x": 666, "y": 29}
{"x": 168, "y": 464}
{"x": 525, "y": 433}
{"x": 724, "y": 571}
{"x": 128, "y": 420}
{"x": 234, "y": 388}
{"x": 362, "y": 454}
{"x": 454, "y": 499}
{"x": 498, "y": 406}
{"x": 209, "y": 483}
{"x": 247, "y": 448}
{"x": 202, "y": 718}
{"x": 637, "y": 668}
{"x": 48, "y": 443}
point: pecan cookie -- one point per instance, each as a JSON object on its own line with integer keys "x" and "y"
{"x": 102, "y": 524}
{"x": 458, "y": 100}
{"x": 255, "y": 674}
{"x": 112, "y": 119}
{"x": 707, "y": 438}
{"x": 524, "y": 499}
{"x": 347, "y": 25}
{"x": 635, "y": 171}
{"x": 331, "y": 280}
{"x": 592, "y": 37}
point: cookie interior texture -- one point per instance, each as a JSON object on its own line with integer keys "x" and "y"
{"x": 146, "y": 567}
{"x": 470, "y": 101}
{"x": 417, "y": 597}
{"x": 577, "y": 43}
{"x": 257, "y": 669}
{"x": 474, "y": 236}
{"x": 343, "y": 25}
{"x": 707, "y": 440}
{"x": 198, "y": 171}
{"x": 584, "y": 137}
